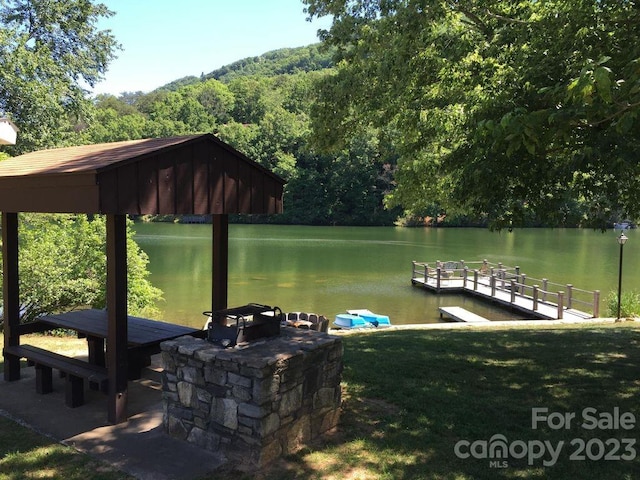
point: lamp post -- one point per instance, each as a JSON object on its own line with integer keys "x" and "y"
{"x": 622, "y": 239}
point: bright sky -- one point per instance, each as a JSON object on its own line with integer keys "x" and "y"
{"x": 164, "y": 40}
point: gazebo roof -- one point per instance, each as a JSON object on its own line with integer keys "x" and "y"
{"x": 197, "y": 174}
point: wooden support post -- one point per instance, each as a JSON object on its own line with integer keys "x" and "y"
{"x": 438, "y": 273}
{"x": 523, "y": 282}
{"x": 513, "y": 291}
{"x": 569, "y": 294}
{"x": 11, "y": 292}
{"x": 117, "y": 362}
{"x": 475, "y": 280}
{"x": 517, "y": 270}
{"x": 465, "y": 274}
{"x": 74, "y": 391}
{"x": 220, "y": 267}
{"x": 44, "y": 379}
{"x": 560, "y": 304}
{"x": 95, "y": 347}
{"x": 535, "y": 297}
{"x": 545, "y": 289}
{"x": 596, "y": 304}
{"x": 493, "y": 285}
{"x": 426, "y": 273}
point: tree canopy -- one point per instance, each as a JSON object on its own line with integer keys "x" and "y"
{"x": 50, "y": 52}
{"x": 512, "y": 111}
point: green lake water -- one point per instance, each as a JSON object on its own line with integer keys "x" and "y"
{"x": 328, "y": 270}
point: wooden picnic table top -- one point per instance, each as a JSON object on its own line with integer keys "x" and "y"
{"x": 141, "y": 332}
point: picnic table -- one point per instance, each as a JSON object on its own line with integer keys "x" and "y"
{"x": 143, "y": 340}
{"x": 143, "y": 335}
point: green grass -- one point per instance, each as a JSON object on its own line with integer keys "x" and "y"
{"x": 409, "y": 396}
{"x": 26, "y": 454}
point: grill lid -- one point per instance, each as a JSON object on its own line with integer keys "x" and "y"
{"x": 247, "y": 323}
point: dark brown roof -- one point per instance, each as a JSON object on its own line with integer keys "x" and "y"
{"x": 197, "y": 174}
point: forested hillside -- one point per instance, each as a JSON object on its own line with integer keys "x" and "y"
{"x": 261, "y": 106}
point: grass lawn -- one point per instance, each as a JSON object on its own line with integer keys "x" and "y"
{"x": 26, "y": 454}
{"x": 411, "y": 396}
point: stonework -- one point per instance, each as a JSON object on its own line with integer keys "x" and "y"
{"x": 256, "y": 402}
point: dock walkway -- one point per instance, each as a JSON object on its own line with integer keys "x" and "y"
{"x": 508, "y": 287}
{"x": 460, "y": 314}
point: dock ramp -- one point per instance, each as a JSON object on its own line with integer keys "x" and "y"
{"x": 460, "y": 314}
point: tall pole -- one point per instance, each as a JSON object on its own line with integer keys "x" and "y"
{"x": 620, "y": 280}
{"x": 621, "y": 240}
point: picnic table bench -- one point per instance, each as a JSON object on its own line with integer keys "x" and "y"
{"x": 74, "y": 369}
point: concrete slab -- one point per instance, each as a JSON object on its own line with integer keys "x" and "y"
{"x": 138, "y": 447}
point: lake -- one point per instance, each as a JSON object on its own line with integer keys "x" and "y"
{"x": 328, "y": 270}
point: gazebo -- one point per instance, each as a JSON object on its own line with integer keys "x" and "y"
{"x": 188, "y": 175}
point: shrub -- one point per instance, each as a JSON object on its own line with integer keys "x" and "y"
{"x": 629, "y": 304}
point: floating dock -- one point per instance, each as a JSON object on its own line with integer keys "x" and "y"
{"x": 508, "y": 287}
{"x": 459, "y": 314}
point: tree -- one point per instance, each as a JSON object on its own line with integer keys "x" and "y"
{"x": 505, "y": 110}
{"x": 63, "y": 266}
{"x": 49, "y": 53}
{"x": 251, "y": 98}
{"x": 184, "y": 109}
{"x": 215, "y": 97}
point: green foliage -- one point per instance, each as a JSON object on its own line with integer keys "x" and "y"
{"x": 506, "y": 110}
{"x": 48, "y": 52}
{"x": 286, "y": 61}
{"x": 215, "y": 97}
{"x": 629, "y": 305}
{"x": 63, "y": 266}
{"x": 251, "y": 98}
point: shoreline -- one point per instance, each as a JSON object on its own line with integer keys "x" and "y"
{"x": 483, "y": 325}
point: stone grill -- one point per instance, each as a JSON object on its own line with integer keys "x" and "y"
{"x": 256, "y": 402}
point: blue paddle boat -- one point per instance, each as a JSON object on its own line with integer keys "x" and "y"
{"x": 374, "y": 319}
{"x": 347, "y": 321}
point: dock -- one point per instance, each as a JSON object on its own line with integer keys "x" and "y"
{"x": 459, "y": 314}
{"x": 507, "y": 287}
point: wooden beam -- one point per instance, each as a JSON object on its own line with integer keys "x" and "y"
{"x": 117, "y": 317}
{"x": 220, "y": 267}
{"x": 11, "y": 292}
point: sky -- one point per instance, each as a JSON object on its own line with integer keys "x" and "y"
{"x": 164, "y": 40}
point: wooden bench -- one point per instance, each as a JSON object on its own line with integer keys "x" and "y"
{"x": 75, "y": 371}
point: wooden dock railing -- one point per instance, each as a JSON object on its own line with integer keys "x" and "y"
{"x": 506, "y": 284}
